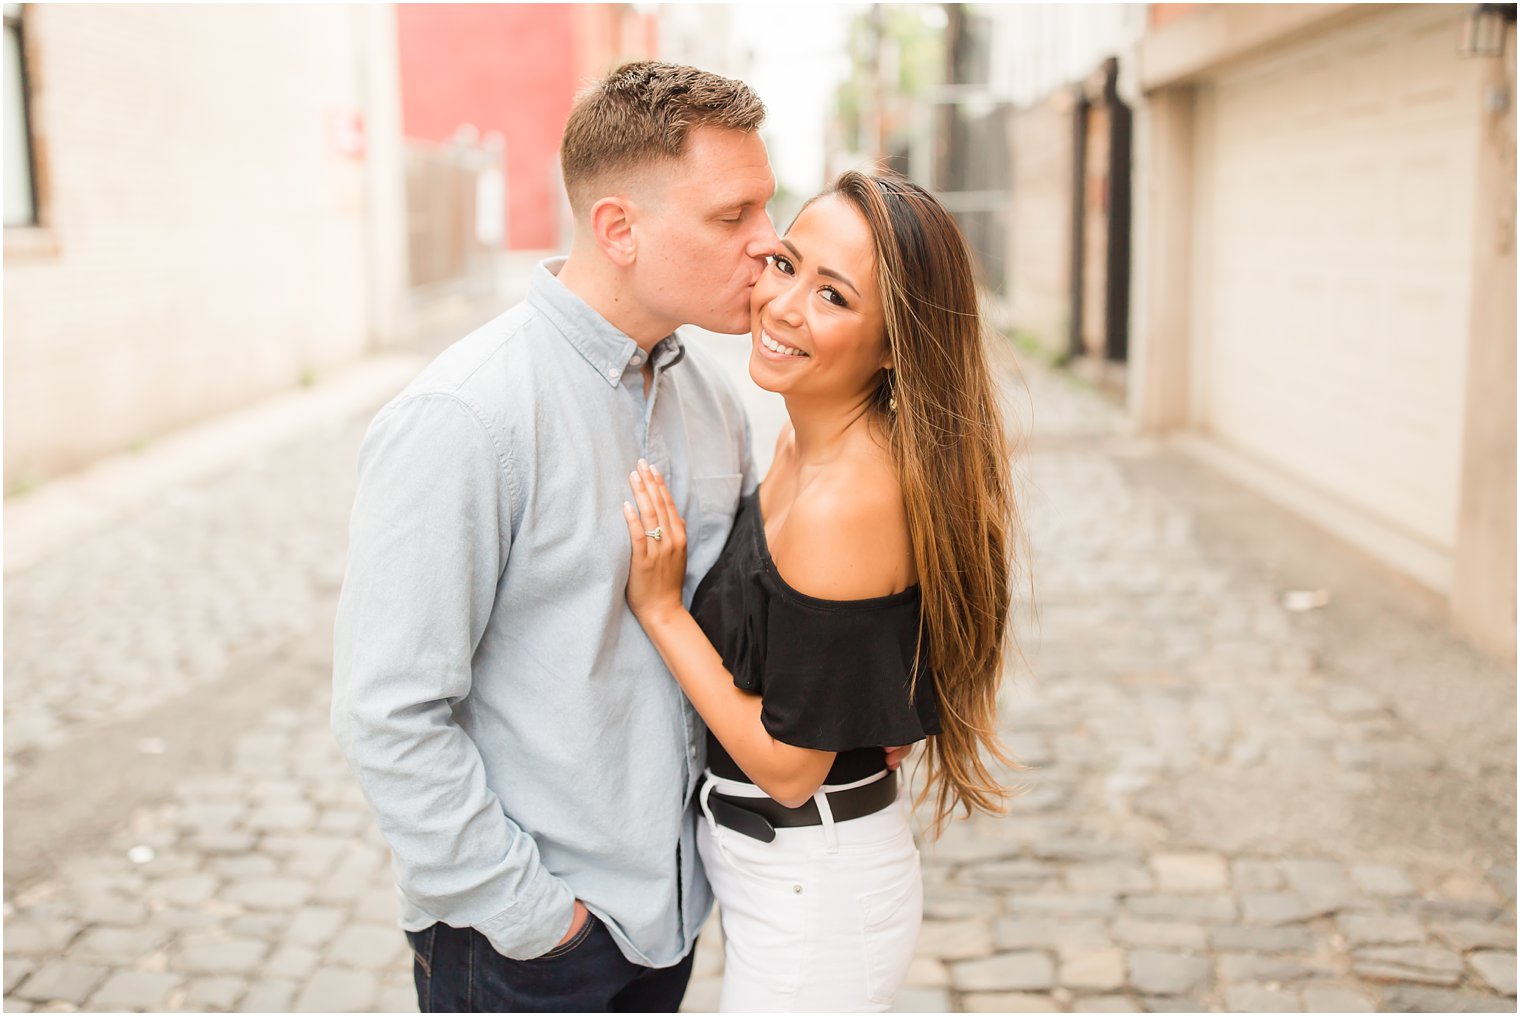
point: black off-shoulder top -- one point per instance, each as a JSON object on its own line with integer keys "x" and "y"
{"x": 833, "y": 674}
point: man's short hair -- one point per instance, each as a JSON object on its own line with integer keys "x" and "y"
{"x": 642, "y": 113}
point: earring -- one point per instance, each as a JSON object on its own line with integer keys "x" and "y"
{"x": 891, "y": 391}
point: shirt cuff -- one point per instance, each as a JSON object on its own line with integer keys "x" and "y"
{"x": 535, "y": 923}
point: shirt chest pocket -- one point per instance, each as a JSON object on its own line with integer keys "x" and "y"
{"x": 715, "y": 500}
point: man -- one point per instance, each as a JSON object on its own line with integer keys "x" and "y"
{"x": 528, "y": 757}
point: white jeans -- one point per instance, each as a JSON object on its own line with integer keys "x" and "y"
{"x": 821, "y": 919}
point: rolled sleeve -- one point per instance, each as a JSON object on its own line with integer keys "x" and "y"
{"x": 429, "y": 538}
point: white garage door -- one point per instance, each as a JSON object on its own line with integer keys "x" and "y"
{"x": 1333, "y": 251}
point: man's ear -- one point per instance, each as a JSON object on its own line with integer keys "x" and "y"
{"x": 612, "y": 226}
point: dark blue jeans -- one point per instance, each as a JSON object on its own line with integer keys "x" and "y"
{"x": 456, "y": 970}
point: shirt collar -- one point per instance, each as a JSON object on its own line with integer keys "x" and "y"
{"x": 609, "y": 352}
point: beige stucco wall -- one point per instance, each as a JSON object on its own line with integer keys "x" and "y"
{"x": 1334, "y": 219}
{"x": 204, "y": 240}
{"x": 1377, "y": 349}
{"x": 1483, "y": 589}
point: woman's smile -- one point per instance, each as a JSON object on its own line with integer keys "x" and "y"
{"x": 778, "y": 349}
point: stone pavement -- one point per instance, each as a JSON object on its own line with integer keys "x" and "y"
{"x": 1232, "y": 803}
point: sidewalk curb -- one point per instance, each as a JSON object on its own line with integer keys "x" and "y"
{"x": 38, "y": 523}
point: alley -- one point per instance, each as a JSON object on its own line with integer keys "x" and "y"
{"x": 1263, "y": 774}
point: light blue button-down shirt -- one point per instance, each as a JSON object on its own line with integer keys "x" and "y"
{"x": 516, "y": 734}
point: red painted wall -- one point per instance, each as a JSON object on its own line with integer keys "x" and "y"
{"x": 505, "y": 67}
{"x": 1161, "y": 15}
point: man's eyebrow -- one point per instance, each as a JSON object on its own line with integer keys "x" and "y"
{"x": 826, "y": 272}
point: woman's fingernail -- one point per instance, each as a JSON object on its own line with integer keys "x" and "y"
{"x": 635, "y": 477}
{"x": 643, "y": 464}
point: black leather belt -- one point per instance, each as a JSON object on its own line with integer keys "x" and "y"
{"x": 760, "y": 817}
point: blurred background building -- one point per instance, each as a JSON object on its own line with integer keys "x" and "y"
{"x": 1327, "y": 252}
{"x": 1283, "y": 236}
{"x": 190, "y": 214}
{"x": 205, "y": 206}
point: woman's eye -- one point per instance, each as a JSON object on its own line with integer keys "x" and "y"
{"x": 783, "y": 265}
{"x": 833, "y": 296}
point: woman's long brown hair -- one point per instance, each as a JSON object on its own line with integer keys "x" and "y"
{"x": 952, "y": 456}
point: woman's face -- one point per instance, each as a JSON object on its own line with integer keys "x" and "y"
{"x": 816, "y": 327}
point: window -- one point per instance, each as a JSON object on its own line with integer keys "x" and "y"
{"x": 20, "y": 188}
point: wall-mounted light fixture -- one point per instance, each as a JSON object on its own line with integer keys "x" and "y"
{"x": 1487, "y": 27}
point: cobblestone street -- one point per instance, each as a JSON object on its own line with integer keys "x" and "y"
{"x": 1263, "y": 774}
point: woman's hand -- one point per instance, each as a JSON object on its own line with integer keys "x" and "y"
{"x": 658, "y": 568}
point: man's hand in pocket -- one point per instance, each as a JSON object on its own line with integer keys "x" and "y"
{"x": 576, "y": 922}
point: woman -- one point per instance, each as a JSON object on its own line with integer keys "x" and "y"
{"x": 861, "y": 600}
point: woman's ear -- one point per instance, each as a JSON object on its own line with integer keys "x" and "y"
{"x": 612, "y": 226}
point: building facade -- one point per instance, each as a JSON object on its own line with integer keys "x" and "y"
{"x": 199, "y": 219}
{"x": 1053, "y": 66}
{"x": 507, "y": 74}
{"x": 1330, "y": 308}
{"x": 1320, "y": 294}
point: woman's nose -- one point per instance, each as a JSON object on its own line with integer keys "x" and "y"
{"x": 786, "y": 302}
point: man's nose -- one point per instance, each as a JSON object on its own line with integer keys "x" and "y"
{"x": 763, "y": 243}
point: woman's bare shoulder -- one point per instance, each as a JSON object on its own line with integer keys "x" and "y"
{"x": 846, "y": 534}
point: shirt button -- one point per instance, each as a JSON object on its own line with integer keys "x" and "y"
{"x": 797, "y": 889}
{"x": 612, "y": 372}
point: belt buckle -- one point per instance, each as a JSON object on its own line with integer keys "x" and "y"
{"x": 741, "y": 820}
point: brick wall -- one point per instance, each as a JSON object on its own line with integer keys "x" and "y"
{"x": 1039, "y": 279}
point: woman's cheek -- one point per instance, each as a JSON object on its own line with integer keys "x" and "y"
{"x": 763, "y": 292}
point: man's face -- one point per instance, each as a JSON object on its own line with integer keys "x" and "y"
{"x": 703, "y": 233}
